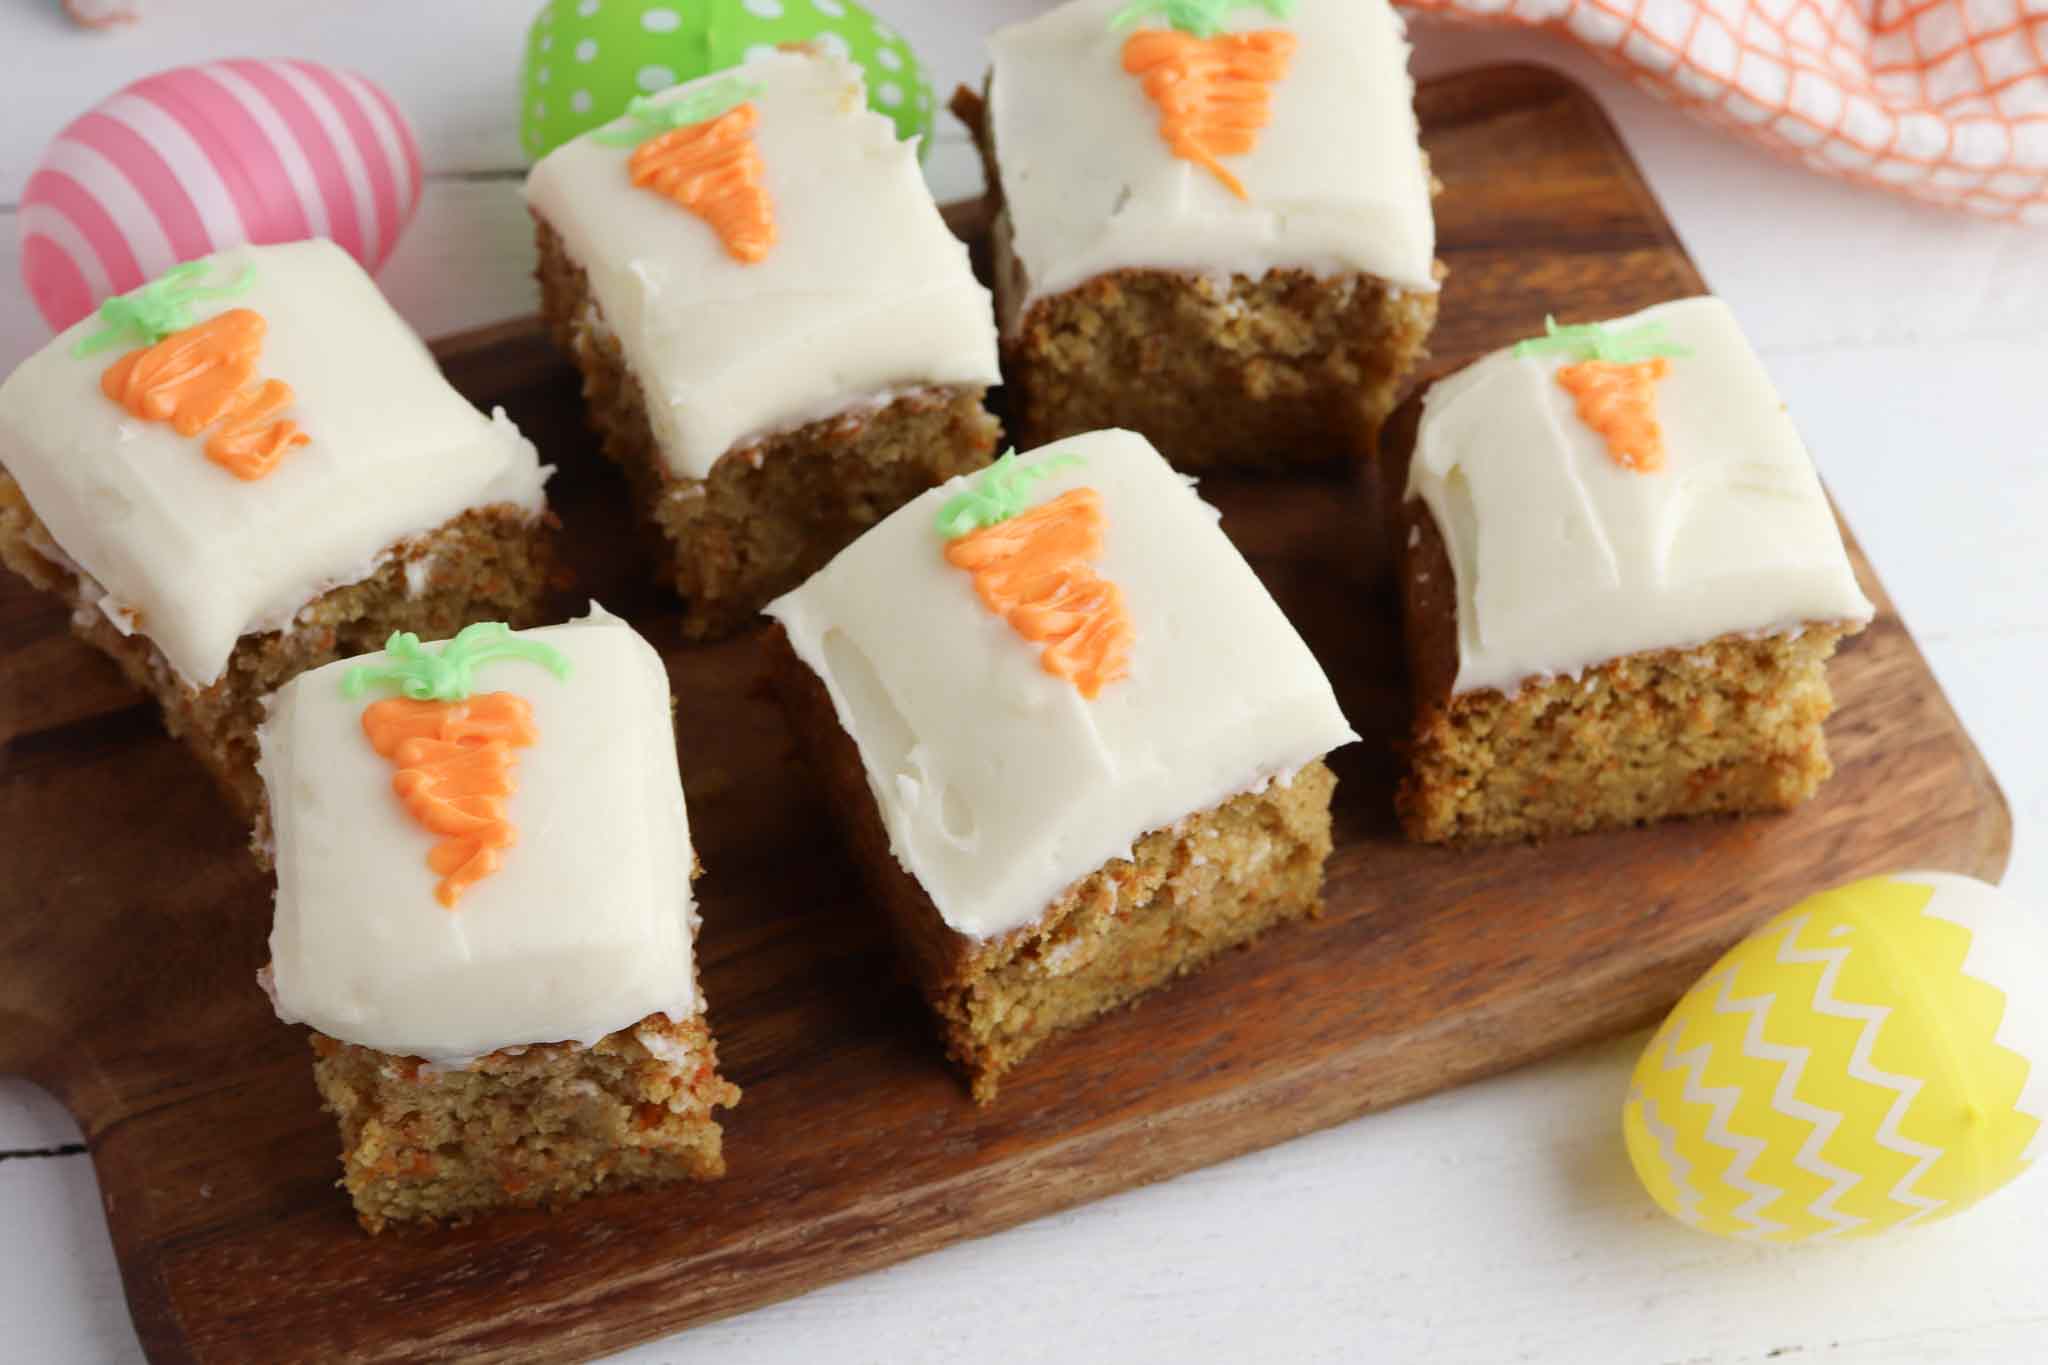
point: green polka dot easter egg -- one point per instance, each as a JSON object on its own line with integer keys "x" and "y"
{"x": 586, "y": 58}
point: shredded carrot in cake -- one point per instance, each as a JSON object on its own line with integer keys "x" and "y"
{"x": 1033, "y": 571}
{"x": 1214, "y": 94}
{"x": 1619, "y": 401}
{"x": 202, "y": 377}
{"x": 714, "y": 170}
{"x": 455, "y": 772}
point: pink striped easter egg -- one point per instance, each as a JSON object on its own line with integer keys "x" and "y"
{"x": 200, "y": 158}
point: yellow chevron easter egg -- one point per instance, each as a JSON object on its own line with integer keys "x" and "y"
{"x": 1874, "y": 1057}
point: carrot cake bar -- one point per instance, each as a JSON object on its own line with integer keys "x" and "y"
{"x": 1622, "y": 583}
{"x": 1076, "y": 748}
{"x": 779, "y": 338}
{"x": 484, "y": 911}
{"x": 1214, "y": 224}
{"x": 250, "y": 467}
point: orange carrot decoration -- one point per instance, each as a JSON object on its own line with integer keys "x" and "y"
{"x": 196, "y": 374}
{"x": 1213, "y": 89}
{"x": 1620, "y": 402}
{"x": 200, "y": 377}
{"x": 699, "y": 151}
{"x": 714, "y": 170}
{"x": 1031, "y": 568}
{"x": 455, "y": 771}
{"x": 454, "y": 751}
{"x": 1613, "y": 382}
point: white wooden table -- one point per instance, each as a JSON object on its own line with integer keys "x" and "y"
{"x": 1499, "y": 1222}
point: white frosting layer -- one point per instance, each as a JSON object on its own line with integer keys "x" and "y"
{"x": 2008, "y": 950}
{"x": 1565, "y": 559}
{"x": 865, "y": 288}
{"x": 587, "y": 926}
{"x": 1336, "y": 180}
{"x": 1000, "y": 784}
{"x": 193, "y": 557}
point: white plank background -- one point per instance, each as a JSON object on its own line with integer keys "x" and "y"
{"x": 1499, "y": 1222}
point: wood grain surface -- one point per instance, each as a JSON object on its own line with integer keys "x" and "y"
{"x": 132, "y": 921}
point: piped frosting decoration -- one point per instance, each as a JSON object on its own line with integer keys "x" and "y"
{"x": 1000, "y": 492}
{"x": 1613, "y": 382}
{"x": 699, "y": 151}
{"x": 1032, "y": 569}
{"x": 196, "y": 375}
{"x": 205, "y": 376}
{"x": 1213, "y": 89}
{"x": 454, "y": 750}
{"x": 167, "y": 304}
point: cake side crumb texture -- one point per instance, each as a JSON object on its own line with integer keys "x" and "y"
{"x": 526, "y": 1126}
{"x": 1731, "y": 727}
{"x": 1273, "y": 373}
{"x": 1215, "y": 880}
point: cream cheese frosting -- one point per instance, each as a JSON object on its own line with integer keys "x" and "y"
{"x": 1565, "y": 558}
{"x": 585, "y": 928}
{"x": 999, "y": 783}
{"x": 1335, "y": 182}
{"x": 193, "y": 557}
{"x": 865, "y": 289}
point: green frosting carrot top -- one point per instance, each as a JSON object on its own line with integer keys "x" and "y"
{"x": 1599, "y": 341}
{"x": 448, "y": 675}
{"x": 1201, "y": 18}
{"x": 997, "y": 494}
{"x": 648, "y": 117}
{"x": 145, "y": 316}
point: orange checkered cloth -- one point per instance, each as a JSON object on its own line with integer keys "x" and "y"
{"x": 1946, "y": 100}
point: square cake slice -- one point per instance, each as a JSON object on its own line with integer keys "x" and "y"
{"x": 1214, "y": 225}
{"x": 484, "y": 912}
{"x": 1621, "y": 583}
{"x": 780, "y": 340}
{"x": 251, "y": 467}
{"x": 1076, "y": 747}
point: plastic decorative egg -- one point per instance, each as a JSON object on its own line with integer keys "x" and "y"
{"x": 586, "y": 58}
{"x": 1875, "y": 1057}
{"x": 200, "y": 158}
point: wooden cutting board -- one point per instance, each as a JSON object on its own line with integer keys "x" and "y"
{"x": 132, "y": 921}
